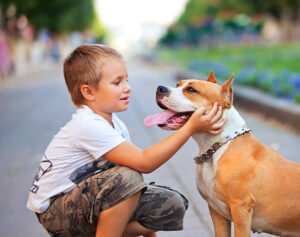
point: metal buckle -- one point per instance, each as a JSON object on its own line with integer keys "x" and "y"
{"x": 223, "y": 140}
{"x": 203, "y": 158}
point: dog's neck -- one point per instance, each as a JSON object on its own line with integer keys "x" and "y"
{"x": 234, "y": 122}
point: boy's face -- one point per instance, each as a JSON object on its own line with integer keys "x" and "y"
{"x": 112, "y": 94}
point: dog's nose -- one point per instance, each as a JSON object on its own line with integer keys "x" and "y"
{"x": 162, "y": 90}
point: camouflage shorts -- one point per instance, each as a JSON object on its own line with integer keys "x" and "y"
{"x": 76, "y": 212}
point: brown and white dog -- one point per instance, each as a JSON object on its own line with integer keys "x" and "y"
{"x": 243, "y": 181}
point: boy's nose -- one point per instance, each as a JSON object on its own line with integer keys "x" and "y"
{"x": 127, "y": 88}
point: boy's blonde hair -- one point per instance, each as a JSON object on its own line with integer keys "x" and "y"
{"x": 84, "y": 66}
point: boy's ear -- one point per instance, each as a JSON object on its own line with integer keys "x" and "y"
{"x": 211, "y": 77}
{"x": 87, "y": 92}
{"x": 227, "y": 92}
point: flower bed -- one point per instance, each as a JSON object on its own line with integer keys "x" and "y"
{"x": 273, "y": 69}
{"x": 284, "y": 85}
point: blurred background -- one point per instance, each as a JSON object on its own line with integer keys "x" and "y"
{"x": 163, "y": 41}
{"x": 258, "y": 41}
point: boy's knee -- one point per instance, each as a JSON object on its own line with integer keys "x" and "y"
{"x": 161, "y": 208}
{"x": 172, "y": 216}
{"x": 180, "y": 205}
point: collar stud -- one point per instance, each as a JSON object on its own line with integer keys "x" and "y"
{"x": 223, "y": 140}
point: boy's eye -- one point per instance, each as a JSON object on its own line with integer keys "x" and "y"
{"x": 116, "y": 82}
{"x": 190, "y": 89}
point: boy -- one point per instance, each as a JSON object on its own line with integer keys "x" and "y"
{"x": 89, "y": 180}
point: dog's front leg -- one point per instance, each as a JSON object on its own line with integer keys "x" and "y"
{"x": 222, "y": 226}
{"x": 241, "y": 213}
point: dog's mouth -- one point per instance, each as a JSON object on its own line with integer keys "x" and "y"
{"x": 168, "y": 119}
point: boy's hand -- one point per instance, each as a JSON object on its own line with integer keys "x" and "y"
{"x": 207, "y": 122}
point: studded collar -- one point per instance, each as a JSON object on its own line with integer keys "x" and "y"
{"x": 223, "y": 140}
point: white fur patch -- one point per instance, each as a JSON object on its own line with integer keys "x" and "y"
{"x": 206, "y": 181}
{"x": 177, "y": 102}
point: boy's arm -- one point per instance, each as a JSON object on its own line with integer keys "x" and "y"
{"x": 151, "y": 158}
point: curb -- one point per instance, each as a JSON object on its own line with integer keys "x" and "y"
{"x": 254, "y": 100}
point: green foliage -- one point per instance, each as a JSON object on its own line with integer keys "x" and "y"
{"x": 61, "y": 16}
{"x": 203, "y": 20}
{"x": 297, "y": 99}
{"x": 275, "y": 7}
{"x": 196, "y": 9}
{"x": 58, "y": 15}
{"x": 274, "y": 58}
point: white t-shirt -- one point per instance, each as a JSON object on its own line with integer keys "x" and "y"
{"x": 74, "y": 154}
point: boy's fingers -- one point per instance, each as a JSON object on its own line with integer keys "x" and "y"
{"x": 219, "y": 125}
{"x": 213, "y": 111}
{"x": 216, "y": 131}
{"x": 218, "y": 115}
{"x": 201, "y": 111}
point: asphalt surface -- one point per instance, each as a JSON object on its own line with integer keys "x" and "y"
{"x": 35, "y": 106}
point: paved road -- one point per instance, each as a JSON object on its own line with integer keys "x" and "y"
{"x": 34, "y": 107}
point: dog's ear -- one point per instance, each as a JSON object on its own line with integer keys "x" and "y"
{"x": 227, "y": 92}
{"x": 211, "y": 77}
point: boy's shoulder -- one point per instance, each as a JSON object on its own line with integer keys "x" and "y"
{"x": 86, "y": 122}
{"x": 85, "y": 118}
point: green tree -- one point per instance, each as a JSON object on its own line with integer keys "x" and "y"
{"x": 60, "y": 16}
{"x": 276, "y": 8}
{"x": 198, "y": 18}
{"x": 195, "y": 9}
{"x": 57, "y": 15}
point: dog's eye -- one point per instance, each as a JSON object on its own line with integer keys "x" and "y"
{"x": 190, "y": 89}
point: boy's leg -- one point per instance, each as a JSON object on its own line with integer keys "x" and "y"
{"x": 134, "y": 229}
{"x": 76, "y": 213}
{"x": 159, "y": 209}
{"x": 113, "y": 221}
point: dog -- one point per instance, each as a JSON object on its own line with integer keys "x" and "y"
{"x": 241, "y": 179}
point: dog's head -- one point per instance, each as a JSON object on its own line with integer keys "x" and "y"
{"x": 180, "y": 102}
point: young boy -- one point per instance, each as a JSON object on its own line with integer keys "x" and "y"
{"x": 89, "y": 180}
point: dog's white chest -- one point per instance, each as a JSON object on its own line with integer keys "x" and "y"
{"x": 206, "y": 181}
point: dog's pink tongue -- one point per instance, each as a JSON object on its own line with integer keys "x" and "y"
{"x": 158, "y": 118}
